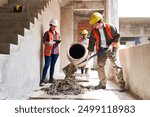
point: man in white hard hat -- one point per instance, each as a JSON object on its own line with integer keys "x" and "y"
{"x": 51, "y": 41}
{"x": 105, "y": 37}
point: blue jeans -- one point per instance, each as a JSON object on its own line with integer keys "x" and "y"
{"x": 49, "y": 61}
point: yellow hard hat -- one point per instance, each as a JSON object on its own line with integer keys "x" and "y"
{"x": 95, "y": 17}
{"x": 84, "y": 32}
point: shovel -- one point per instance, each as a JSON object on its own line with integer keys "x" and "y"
{"x": 70, "y": 69}
{"x": 97, "y": 54}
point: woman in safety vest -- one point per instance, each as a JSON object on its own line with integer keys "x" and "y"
{"x": 51, "y": 41}
{"x": 105, "y": 37}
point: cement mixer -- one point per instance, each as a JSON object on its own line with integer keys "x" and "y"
{"x": 77, "y": 54}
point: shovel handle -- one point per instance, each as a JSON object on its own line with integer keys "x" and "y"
{"x": 97, "y": 54}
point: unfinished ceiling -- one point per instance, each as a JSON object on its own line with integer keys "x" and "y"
{"x": 83, "y": 8}
{"x": 67, "y": 2}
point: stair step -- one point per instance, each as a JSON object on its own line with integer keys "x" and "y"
{"x": 12, "y": 23}
{"x": 19, "y": 15}
{"x": 3, "y": 9}
{"x": 13, "y": 30}
{"x": 8, "y": 24}
{"x": 9, "y": 38}
{"x": 37, "y": 7}
{"x": 13, "y": 19}
{"x": 16, "y": 19}
{"x": 10, "y": 10}
{"x": 13, "y": 14}
{"x": 4, "y": 48}
{"x": 36, "y": 11}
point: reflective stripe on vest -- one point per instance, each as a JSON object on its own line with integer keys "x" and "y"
{"x": 97, "y": 35}
{"x": 48, "y": 48}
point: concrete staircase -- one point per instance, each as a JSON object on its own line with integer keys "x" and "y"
{"x": 12, "y": 24}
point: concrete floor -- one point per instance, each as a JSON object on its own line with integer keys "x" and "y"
{"x": 110, "y": 93}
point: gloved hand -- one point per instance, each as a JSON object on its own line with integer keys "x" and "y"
{"x": 52, "y": 42}
{"x": 110, "y": 48}
{"x": 116, "y": 45}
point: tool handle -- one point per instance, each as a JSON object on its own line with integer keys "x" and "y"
{"x": 97, "y": 54}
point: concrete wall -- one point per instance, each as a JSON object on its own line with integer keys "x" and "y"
{"x": 136, "y": 66}
{"x": 134, "y": 27}
{"x": 21, "y": 70}
{"x": 2, "y": 2}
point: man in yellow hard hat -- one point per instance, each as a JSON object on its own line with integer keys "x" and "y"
{"x": 84, "y": 40}
{"x": 106, "y": 38}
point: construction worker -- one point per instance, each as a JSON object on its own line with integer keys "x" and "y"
{"x": 51, "y": 51}
{"x": 84, "y": 40}
{"x": 105, "y": 37}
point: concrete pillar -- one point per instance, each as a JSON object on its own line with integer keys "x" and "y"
{"x": 67, "y": 21}
{"x": 111, "y": 12}
{"x": 111, "y": 16}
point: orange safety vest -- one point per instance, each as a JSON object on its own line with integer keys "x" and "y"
{"x": 48, "y": 48}
{"x": 97, "y": 36}
{"x": 80, "y": 41}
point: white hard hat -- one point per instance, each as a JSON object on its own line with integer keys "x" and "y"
{"x": 54, "y": 22}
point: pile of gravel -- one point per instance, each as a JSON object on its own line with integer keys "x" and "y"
{"x": 68, "y": 86}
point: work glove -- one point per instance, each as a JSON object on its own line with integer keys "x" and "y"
{"x": 110, "y": 49}
{"x": 116, "y": 45}
{"x": 52, "y": 42}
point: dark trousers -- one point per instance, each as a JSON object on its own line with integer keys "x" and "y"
{"x": 49, "y": 61}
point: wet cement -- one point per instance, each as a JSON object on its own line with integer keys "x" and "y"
{"x": 68, "y": 86}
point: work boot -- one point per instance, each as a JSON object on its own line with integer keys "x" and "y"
{"x": 43, "y": 82}
{"x": 100, "y": 86}
{"x": 51, "y": 80}
{"x": 122, "y": 89}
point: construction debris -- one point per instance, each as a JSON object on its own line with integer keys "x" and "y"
{"x": 68, "y": 86}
